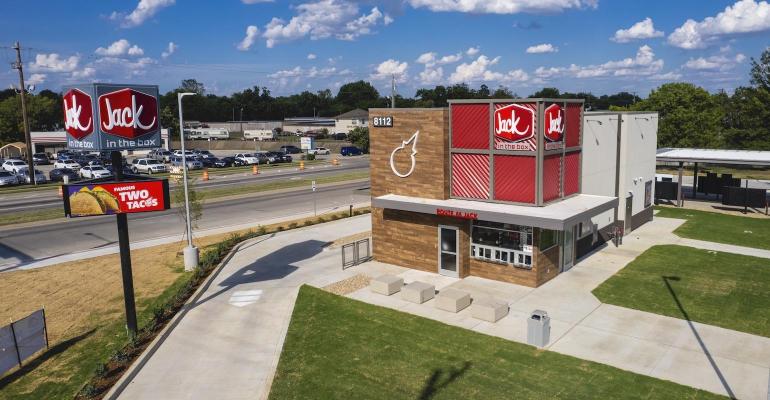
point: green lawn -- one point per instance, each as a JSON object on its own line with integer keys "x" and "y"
{"x": 722, "y": 289}
{"x": 337, "y": 348}
{"x": 720, "y": 228}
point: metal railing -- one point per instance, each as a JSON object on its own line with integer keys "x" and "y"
{"x": 356, "y": 253}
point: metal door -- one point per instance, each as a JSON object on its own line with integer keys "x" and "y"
{"x": 629, "y": 212}
{"x": 448, "y": 260}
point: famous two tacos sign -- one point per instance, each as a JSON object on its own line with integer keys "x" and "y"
{"x": 109, "y": 198}
{"x": 111, "y": 117}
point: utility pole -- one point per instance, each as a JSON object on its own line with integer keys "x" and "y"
{"x": 18, "y": 65}
{"x": 393, "y": 91}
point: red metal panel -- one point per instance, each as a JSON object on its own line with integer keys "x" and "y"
{"x": 515, "y": 178}
{"x": 470, "y": 126}
{"x": 551, "y": 177}
{"x": 574, "y": 123}
{"x": 571, "y": 173}
{"x": 470, "y": 176}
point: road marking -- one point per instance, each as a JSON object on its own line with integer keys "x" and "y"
{"x": 245, "y": 297}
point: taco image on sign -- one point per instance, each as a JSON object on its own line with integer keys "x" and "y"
{"x": 109, "y": 201}
{"x": 83, "y": 202}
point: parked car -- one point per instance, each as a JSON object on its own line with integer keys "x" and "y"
{"x": 290, "y": 149}
{"x": 219, "y": 162}
{"x": 178, "y": 153}
{"x": 160, "y": 155}
{"x": 279, "y": 157}
{"x": 67, "y": 164}
{"x": 339, "y": 136}
{"x": 13, "y": 165}
{"x": 203, "y": 154}
{"x": 95, "y": 172}
{"x": 350, "y": 151}
{"x": 147, "y": 166}
{"x": 233, "y": 161}
{"x": 191, "y": 162}
{"x": 247, "y": 158}
{"x": 319, "y": 150}
{"x": 40, "y": 159}
{"x": 126, "y": 170}
{"x": 58, "y": 174}
{"x": 8, "y": 179}
{"x": 23, "y": 176}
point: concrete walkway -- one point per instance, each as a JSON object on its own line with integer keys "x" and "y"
{"x": 725, "y": 248}
{"x": 228, "y": 344}
{"x": 693, "y": 354}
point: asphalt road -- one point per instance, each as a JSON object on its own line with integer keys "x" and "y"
{"x": 27, "y": 244}
{"x": 29, "y": 201}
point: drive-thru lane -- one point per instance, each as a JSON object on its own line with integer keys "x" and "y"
{"x": 28, "y": 244}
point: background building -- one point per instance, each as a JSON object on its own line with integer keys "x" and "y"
{"x": 350, "y": 120}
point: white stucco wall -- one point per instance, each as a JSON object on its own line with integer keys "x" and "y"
{"x": 598, "y": 160}
{"x": 637, "y": 158}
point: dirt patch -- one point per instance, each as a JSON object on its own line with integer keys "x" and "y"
{"x": 347, "y": 286}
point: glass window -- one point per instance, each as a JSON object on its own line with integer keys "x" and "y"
{"x": 448, "y": 240}
{"x": 506, "y": 236}
{"x": 548, "y": 238}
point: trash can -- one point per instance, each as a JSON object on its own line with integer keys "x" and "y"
{"x": 538, "y": 328}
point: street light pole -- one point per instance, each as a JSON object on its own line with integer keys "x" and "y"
{"x": 190, "y": 252}
{"x": 241, "y": 120}
{"x": 18, "y": 65}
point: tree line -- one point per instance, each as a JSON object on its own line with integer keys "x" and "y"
{"x": 690, "y": 116}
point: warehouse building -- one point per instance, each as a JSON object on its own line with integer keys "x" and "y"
{"x": 512, "y": 190}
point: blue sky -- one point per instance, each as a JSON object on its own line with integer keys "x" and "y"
{"x": 576, "y": 45}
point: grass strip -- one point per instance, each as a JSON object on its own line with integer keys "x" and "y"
{"x": 338, "y": 348}
{"x": 720, "y": 228}
{"x": 715, "y": 288}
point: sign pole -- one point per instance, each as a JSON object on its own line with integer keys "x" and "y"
{"x": 315, "y": 209}
{"x": 125, "y": 253}
{"x": 190, "y": 252}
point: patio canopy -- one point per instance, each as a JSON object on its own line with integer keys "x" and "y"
{"x": 714, "y": 156}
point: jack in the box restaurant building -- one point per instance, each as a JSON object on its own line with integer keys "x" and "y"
{"x": 511, "y": 190}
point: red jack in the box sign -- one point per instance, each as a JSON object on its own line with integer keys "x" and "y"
{"x": 514, "y": 123}
{"x": 554, "y": 123}
{"x": 128, "y": 113}
{"x": 78, "y": 114}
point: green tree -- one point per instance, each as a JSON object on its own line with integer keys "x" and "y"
{"x": 359, "y": 94}
{"x": 359, "y": 136}
{"x": 689, "y": 116}
{"x": 549, "y": 93}
{"x": 192, "y": 86}
{"x": 44, "y": 114}
{"x": 760, "y": 70}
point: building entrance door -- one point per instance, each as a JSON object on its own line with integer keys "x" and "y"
{"x": 448, "y": 238}
{"x": 629, "y": 212}
{"x": 568, "y": 248}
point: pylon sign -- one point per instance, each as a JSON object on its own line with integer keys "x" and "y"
{"x": 105, "y": 117}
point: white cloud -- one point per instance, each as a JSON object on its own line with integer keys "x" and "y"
{"x": 311, "y": 56}
{"x": 431, "y": 58}
{"x": 714, "y": 63}
{"x": 477, "y": 70}
{"x": 431, "y": 75}
{"x": 145, "y": 10}
{"x": 502, "y": 6}
{"x": 388, "y": 68}
{"x": 323, "y": 19}
{"x": 171, "y": 49}
{"x": 472, "y": 51}
{"x": 251, "y": 37}
{"x": 387, "y": 20}
{"x": 118, "y": 48}
{"x": 542, "y": 48}
{"x": 54, "y": 63}
{"x": 668, "y": 76}
{"x": 36, "y": 79}
{"x": 745, "y": 16}
{"x": 295, "y": 76}
{"x": 84, "y": 73}
{"x": 643, "y": 29}
{"x": 121, "y": 67}
{"x": 256, "y": 1}
{"x": 643, "y": 64}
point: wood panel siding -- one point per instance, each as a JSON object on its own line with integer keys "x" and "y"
{"x": 430, "y": 178}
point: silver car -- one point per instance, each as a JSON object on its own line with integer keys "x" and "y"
{"x": 8, "y": 179}
{"x": 23, "y": 176}
{"x": 192, "y": 163}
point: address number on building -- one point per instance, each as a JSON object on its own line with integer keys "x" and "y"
{"x": 382, "y": 122}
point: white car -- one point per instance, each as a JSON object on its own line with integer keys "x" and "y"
{"x": 147, "y": 166}
{"x": 319, "y": 150}
{"x": 247, "y": 158}
{"x": 14, "y": 165}
{"x": 178, "y": 153}
{"x": 95, "y": 172}
{"x": 69, "y": 164}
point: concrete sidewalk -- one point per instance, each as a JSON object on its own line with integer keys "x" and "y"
{"x": 693, "y": 354}
{"x": 228, "y": 344}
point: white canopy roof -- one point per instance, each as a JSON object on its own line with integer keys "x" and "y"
{"x": 555, "y": 216}
{"x": 715, "y": 156}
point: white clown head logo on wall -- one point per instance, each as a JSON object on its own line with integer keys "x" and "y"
{"x": 413, "y": 141}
